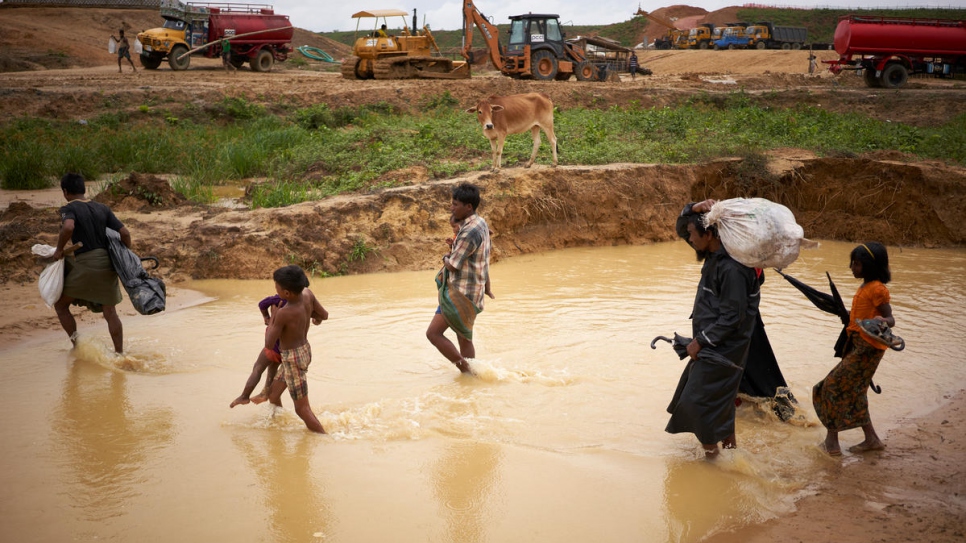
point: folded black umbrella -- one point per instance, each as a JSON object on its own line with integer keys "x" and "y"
{"x": 680, "y": 344}
{"x": 829, "y": 303}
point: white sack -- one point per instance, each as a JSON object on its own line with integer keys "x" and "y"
{"x": 51, "y": 283}
{"x": 138, "y": 48}
{"x": 757, "y": 232}
{"x": 111, "y": 46}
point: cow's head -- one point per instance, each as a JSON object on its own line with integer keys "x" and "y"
{"x": 484, "y": 113}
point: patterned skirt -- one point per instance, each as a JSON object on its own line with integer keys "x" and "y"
{"x": 841, "y": 399}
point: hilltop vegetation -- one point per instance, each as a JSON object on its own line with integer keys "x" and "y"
{"x": 819, "y": 22}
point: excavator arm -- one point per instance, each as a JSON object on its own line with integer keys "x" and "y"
{"x": 659, "y": 20}
{"x": 491, "y": 34}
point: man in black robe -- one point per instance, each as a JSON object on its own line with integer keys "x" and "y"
{"x": 762, "y": 377}
{"x": 723, "y": 321}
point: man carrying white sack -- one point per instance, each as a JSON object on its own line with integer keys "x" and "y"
{"x": 722, "y": 322}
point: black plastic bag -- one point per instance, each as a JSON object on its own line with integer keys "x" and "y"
{"x": 147, "y": 293}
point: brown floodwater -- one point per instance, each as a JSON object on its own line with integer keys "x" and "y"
{"x": 560, "y": 438}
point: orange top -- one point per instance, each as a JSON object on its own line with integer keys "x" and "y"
{"x": 865, "y": 305}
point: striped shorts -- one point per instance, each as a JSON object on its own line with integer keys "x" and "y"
{"x": 295, "y": 362}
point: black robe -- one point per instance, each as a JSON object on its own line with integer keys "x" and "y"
{"x": 762, "y": 376}
{"x": 723, "y": 321}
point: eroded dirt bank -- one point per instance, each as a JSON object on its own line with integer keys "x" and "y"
{"x": 529, "y": 210}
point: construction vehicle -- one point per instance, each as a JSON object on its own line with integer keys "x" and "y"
{"x": 536, "y": 48}
{"x": 675, "y": 37}
{"x": 731, "y": 36}
{"x": 413, "y": 54}
{"x": 889, "y": 49}
{"x": 256, "y": 34}
{"x": 764, "y": 35}
{"x": 699, "y": 37}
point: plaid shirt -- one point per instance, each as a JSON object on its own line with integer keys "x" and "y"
{"x": 471, "y": 258}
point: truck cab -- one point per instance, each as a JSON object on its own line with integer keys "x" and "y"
{"x": 700, "y": 36}
{"x": 730, "y": 37}
{"x": 185, "y": 27}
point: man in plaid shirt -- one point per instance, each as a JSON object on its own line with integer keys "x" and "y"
{"x": 463, "y": 280}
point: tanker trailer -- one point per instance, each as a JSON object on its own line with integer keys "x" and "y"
{"x": 889, "y": 49}
{"x": 256, "y": 34}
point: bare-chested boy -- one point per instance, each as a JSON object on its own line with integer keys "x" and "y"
{"x": 290, "y": 326}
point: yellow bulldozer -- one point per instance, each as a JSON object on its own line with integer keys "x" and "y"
{"x": 412, "y": 54}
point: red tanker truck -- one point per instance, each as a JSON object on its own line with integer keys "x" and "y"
{"x": 263, "y": 36}
{"x": 888, "y": 49}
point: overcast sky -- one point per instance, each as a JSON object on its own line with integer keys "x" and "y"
{"x": 325, "y": 15}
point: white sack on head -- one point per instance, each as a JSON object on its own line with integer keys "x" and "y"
{"x": 757, "y": 232}
{"x": 51, "y": 283}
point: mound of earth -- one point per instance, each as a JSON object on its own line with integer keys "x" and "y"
{"x": 140, "y": 192}
{"x": 39, "y": 38}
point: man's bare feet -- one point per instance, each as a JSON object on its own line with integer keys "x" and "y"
{"x": 259, "y": 398}
{"x": 730, "y": 442}
{"x": 711, "y": 451}
{"x": 866, "y": 446}
{"x": 464, "y": 366}
{"x": 241, "y": 400}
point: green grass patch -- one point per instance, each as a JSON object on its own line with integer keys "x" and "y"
{"x": 312, "y": 152}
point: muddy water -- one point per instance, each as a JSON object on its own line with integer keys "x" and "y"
{"x": 559, "y": 439}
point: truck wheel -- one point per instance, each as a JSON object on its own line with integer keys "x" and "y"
{"x": 868, "y": 74}
{"x": 543, "y": 65}
{"x": 786, "y": 46}
{"x": 796, "y": 46}
{"x": 586, "y": 71}
{"x": 263, "y": 61}
{"x": 760, "y": 45}
{"x": 731, "y": 47}
{"x": 894, "y": 76}
{"x": 237, "y": 62}
{"x": 703, "y": 45}
{"x": 177, "y": 51}
{"x": 149, "y": 62}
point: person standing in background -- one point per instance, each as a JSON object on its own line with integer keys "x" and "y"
{"x": 123, "y": 51}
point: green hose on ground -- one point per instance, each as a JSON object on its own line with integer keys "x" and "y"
{"x": 315, "y": 53}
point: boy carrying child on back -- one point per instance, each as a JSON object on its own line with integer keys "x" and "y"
{"x": 289, "y": 326}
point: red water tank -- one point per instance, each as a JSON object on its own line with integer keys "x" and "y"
{"x": 242, "y": 23}
{"x": 862, "y": 35}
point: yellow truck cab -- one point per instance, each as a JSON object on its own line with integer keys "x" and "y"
{"x": 185, "y": 27}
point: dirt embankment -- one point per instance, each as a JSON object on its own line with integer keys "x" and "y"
{"x": 529, "y": 210}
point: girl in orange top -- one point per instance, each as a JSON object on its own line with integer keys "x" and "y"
{"x": 841, "y": 399}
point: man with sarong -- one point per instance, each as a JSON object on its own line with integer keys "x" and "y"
{"x": 90, "y": 279}
{"x": 722, "y": 322}
{"x": 461, "y": 283}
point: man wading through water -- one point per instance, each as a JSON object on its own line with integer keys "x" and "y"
{"x": 461, "y": 282}
{"x": 722, "y": 321}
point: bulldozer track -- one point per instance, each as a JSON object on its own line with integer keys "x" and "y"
{"x": 349, "y": 68}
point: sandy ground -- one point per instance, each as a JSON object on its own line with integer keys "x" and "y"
{"x": 915, "y": 490}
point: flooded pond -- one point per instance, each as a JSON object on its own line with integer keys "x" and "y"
{"x": 560, "y": 438}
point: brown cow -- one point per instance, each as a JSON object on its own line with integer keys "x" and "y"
{"x": 515, "y": 114}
